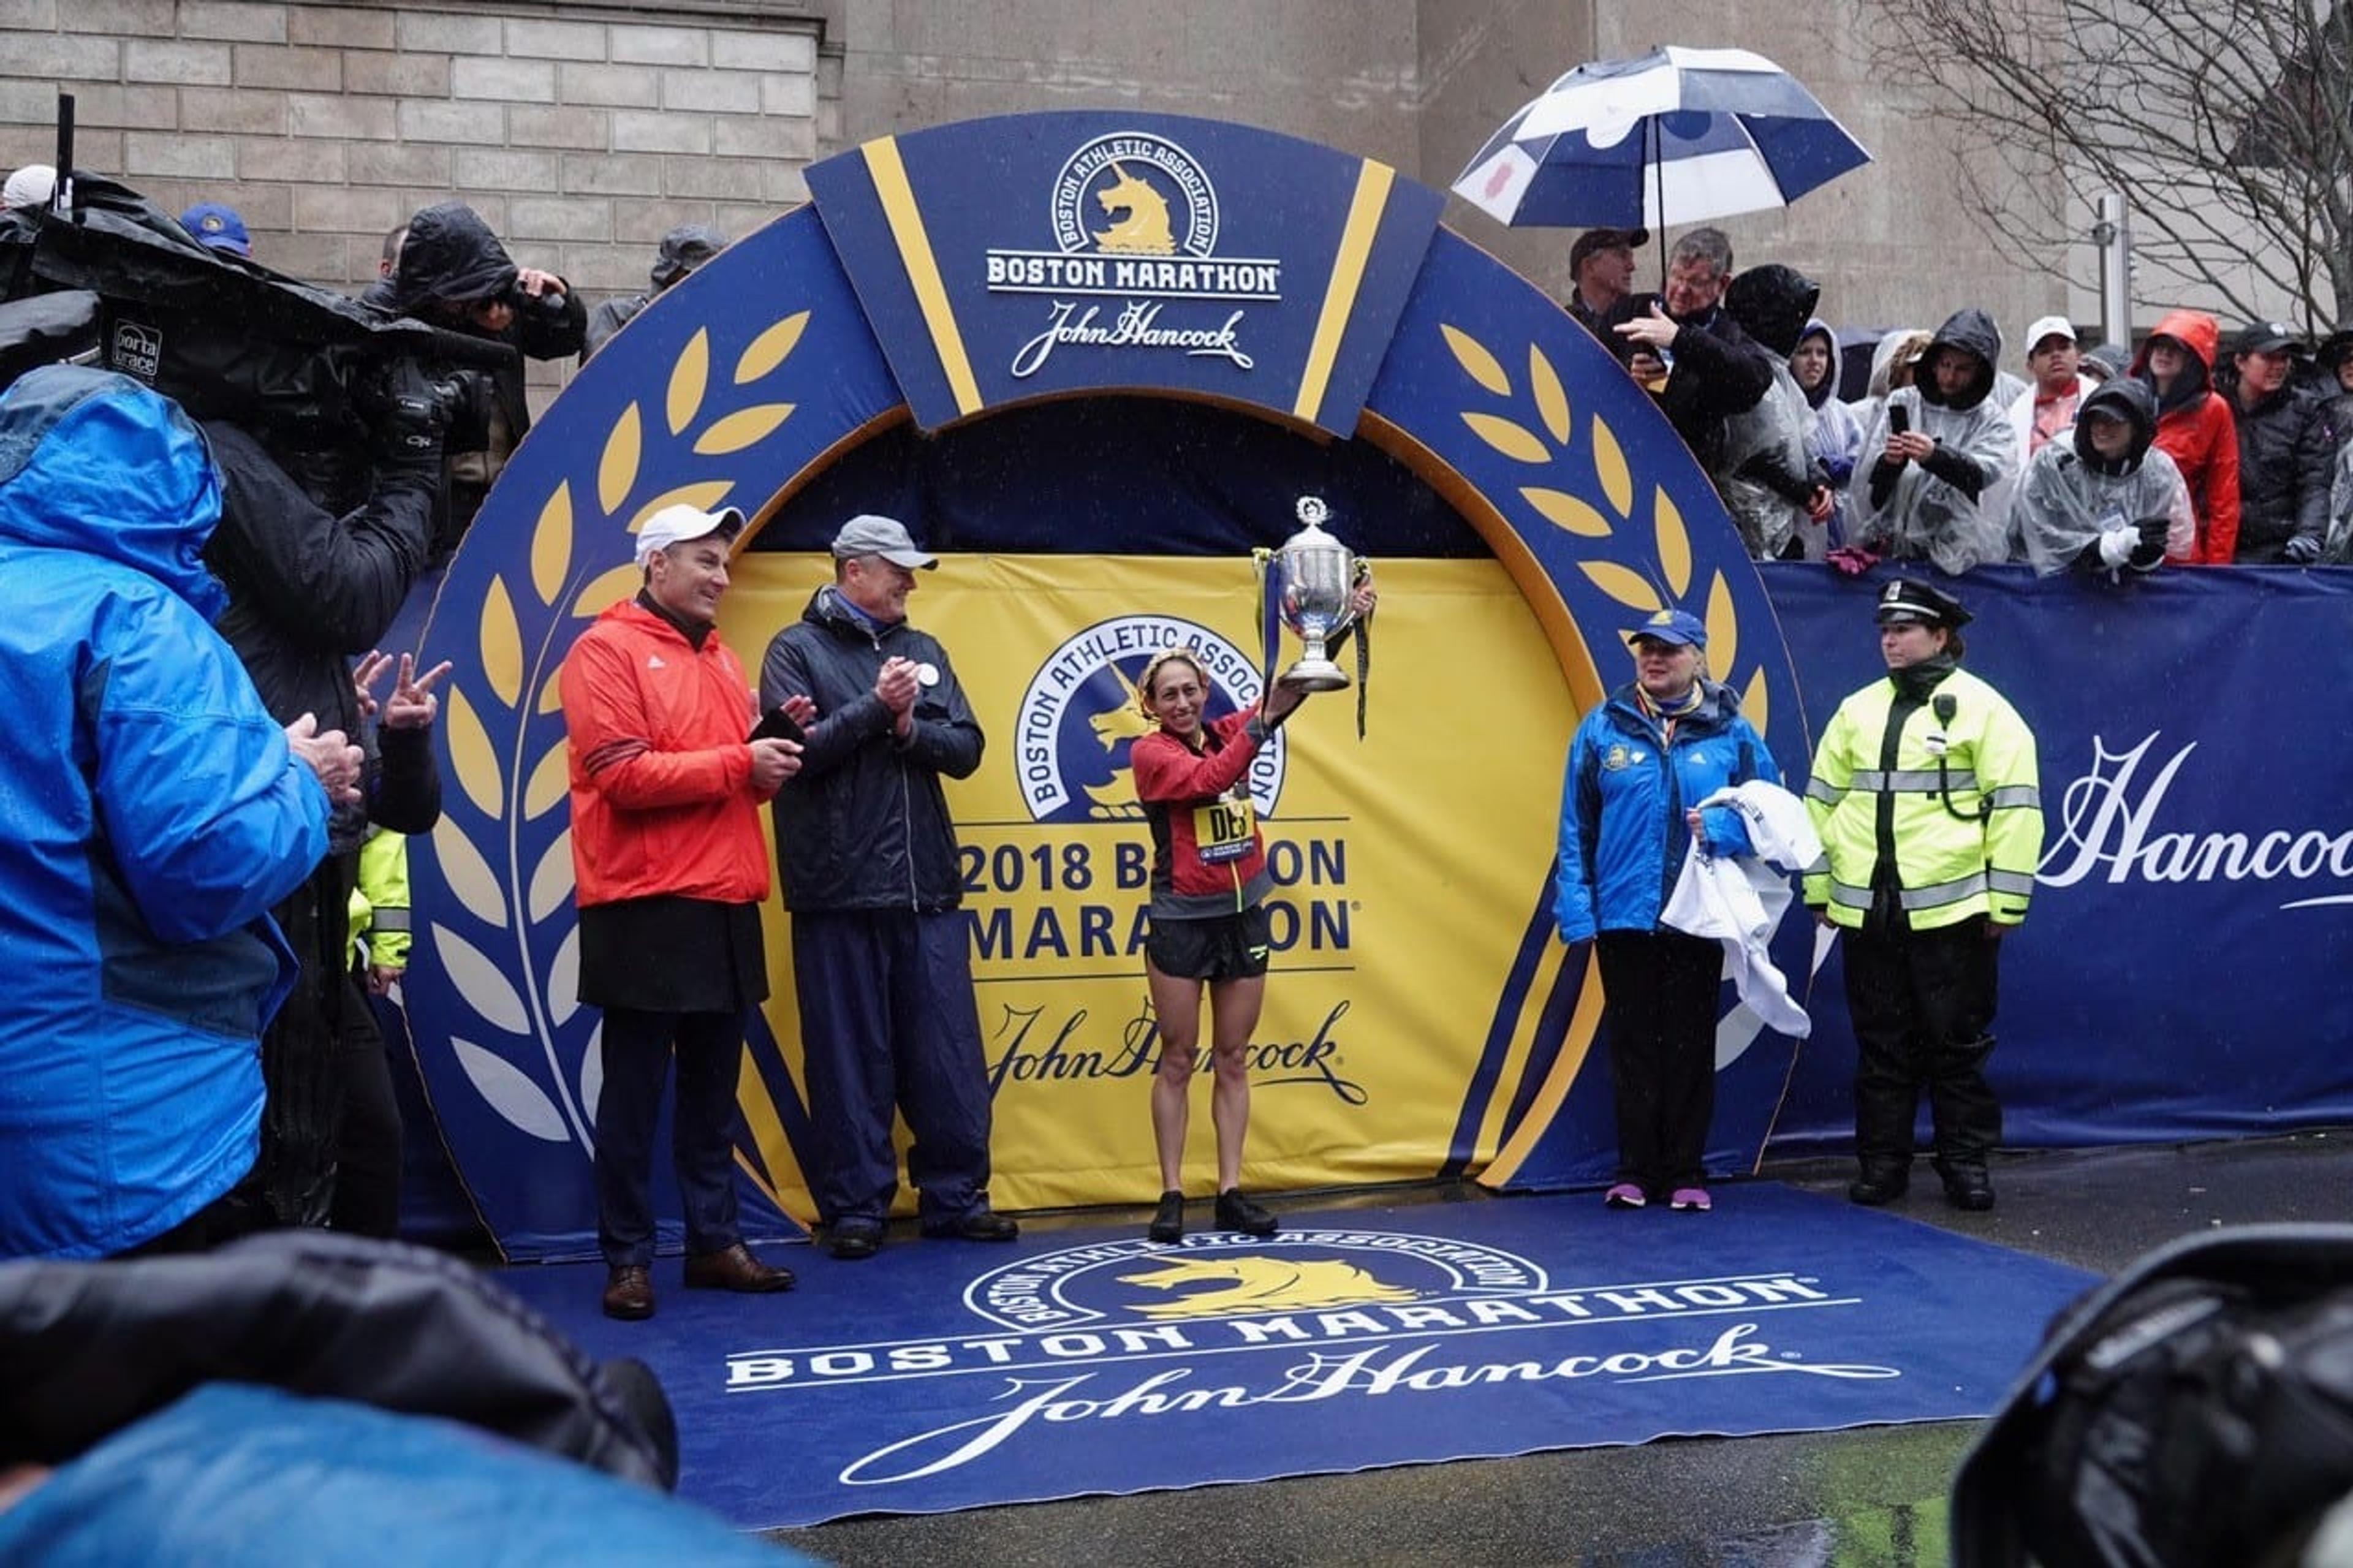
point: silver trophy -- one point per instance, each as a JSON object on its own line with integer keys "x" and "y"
{"x": 1315, "y": 576}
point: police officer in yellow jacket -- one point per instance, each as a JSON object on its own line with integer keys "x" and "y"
{"x": 1924, "y": 793}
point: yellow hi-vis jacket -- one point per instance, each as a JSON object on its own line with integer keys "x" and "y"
{"x": 1877, "y": 795}
{"x": 380, "y": 934}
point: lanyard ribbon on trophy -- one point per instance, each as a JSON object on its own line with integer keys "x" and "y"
{"x": 1314, "y": 581}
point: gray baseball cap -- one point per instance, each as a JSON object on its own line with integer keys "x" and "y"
{"x": 868, "y": 535}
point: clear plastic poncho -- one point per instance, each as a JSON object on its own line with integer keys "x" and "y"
{"x": 1922, "y": 516}
{"x": 2064, "y": 505}
{"x": 1771, "y": 434}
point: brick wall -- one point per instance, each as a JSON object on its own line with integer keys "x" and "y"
{"x": 580, "y": 135}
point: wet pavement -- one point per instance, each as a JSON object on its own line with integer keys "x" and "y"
{"x": 1870, "y": 1496}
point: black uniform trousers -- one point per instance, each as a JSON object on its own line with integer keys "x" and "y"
{"x": 1923, "y": 1004}
{"x": 1660, "y": 994}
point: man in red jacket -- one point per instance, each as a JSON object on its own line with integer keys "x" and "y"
{"x": 2194, "y": 428}
{"x": 670, "y": 872}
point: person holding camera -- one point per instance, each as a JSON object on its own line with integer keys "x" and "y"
{"x": 2102, "y": 498}
{"x": 1925, "y": 798}
{"x": 453, "y": 273}
{"x": 1939, "y": 458}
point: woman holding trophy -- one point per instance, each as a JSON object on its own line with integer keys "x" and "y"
{"x": 1640, "y": 762}
{"x": 1209, "y": 921}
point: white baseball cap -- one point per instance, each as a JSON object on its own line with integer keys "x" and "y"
{"x": 677, "y": 524}
{"x": 2049, "y": 327}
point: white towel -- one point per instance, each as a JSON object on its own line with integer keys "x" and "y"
{"x": 1739, "y": 899}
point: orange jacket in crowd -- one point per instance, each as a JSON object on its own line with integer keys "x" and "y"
{"x": 662, "y": 800}
{"x": 2197, "y": 432}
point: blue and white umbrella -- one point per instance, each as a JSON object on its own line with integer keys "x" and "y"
{"x": 1676, "y": 136}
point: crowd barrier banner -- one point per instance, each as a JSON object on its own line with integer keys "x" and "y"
{"x": 1425, "y": 1020}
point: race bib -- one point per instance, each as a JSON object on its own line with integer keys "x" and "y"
{"x": 1222, "y": 830}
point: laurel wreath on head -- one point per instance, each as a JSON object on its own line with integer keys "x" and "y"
{"x": 511, "y": 773}
{"x": 1668, "y": 581}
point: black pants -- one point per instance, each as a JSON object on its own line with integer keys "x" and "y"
{"x": 367, "y": 1146}
{"x": 1659, "y": 991}
{"x": 1923, "y": 1005}
{"x": 638, "y": 1049}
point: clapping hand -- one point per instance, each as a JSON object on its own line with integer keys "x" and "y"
{"x": 329, "y": 756}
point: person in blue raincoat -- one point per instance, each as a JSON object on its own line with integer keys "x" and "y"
{"x": 1666, "y": 739}
{"x": 151, "y": 813}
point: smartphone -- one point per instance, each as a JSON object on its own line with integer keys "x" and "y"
{"x": 776, "y": 724}
{"x": 1898, "y": 421}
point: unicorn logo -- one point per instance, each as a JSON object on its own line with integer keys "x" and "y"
{"x": 1143, "y": 231}
{"x": 1252, "y": 1282}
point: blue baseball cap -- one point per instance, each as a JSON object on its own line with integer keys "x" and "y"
{"x": 1679, "y": 626}
{"x": 217, "y": 228}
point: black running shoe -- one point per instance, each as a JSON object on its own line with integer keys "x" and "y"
{"x": 1168, "y": 1219}
{"x": 1236, "y": 1212}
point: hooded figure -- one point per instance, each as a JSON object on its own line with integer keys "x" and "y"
{"x": 1941, "y": 508}
{"x": 2194, "y": 428}
{"x": 2081, "y": 506}
{"x": 2336, "y": 354}
{"x": 1897, "y": 355}
{"x": 1763, "y": 469}
{"x": 1834, "y": 435}
{"x": 682, "y": 250}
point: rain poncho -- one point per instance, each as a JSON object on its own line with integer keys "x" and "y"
{"x": 1834, "y": 435}
{"x": 2338, "y": 552}
{"x": 2073, "y": 498}
{"x": 1937, "y": 511}
{"x": 1764, "y": 470}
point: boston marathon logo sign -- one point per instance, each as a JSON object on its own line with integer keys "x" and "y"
{"x": 1211, "y": 1338}
{"x": 1134, "y": 265}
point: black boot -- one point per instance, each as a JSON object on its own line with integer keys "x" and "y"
{"x": 1967, "y": 1186}
{"x": 1880, "y": 1183}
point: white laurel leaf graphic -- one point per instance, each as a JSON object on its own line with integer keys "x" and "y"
{"x": 522, "y": 1103}
{"x": 564, "y": 979}
{"x": 489, "y": 993}
{"x": 468, "y": 874}
{"x": 552, "y": 883}
{"x": 592, "y": 1073}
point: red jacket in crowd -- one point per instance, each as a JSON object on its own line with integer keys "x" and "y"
{"x": 662, "y": 800}
{"x": 2198, "y": 433}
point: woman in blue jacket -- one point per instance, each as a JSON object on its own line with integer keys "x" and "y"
{"x": 1639, "y": 763}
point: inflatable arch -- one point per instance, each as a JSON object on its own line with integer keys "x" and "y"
{"x": 948, "y": 318}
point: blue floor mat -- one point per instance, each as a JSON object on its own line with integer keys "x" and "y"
{"x": 946, "y": 1374}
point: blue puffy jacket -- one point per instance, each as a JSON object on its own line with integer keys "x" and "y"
{"x": 150, "y": 816}
{"x": 1622, "y": 837}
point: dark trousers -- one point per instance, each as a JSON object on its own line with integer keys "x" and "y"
{"x": 1922, "y": 1004}
{"x": 888, "y": 1021}
{"x": 367, "y": 1149}
{"x": 1659, "y": 992}
{"x": 637, "y": 1049}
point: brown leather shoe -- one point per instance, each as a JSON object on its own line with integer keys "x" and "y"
{"x": 734, "y": 1268}
{"x": 629, "y": 1292}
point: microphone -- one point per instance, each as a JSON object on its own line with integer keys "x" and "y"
{"x": 1942, "y": 705}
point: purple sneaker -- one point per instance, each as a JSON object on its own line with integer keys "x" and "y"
{"x": 1625, "y": 1195}
{"x": 1689, "y": 1200}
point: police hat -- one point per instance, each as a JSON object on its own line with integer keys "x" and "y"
{"x": 1909, "y": 600}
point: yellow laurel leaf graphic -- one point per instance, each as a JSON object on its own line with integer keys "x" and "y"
{"x": 1564, "y": 510}
{"x": 704, "y": 496}
{"x": 1675, "y": 543}
{"x": 687, "y": 378}
{"x": 564, "y": 979}
{"x": 549, "y": 783}
{"x": 742, "y": 428}
{"x": 1754, "y": 701}
{"x": 468, "y": 875}
{"x": 1513, "y": 440}
{"x": 502, "y": 641}
{"x": 602, "y": 595}
{"x": 1473, "y": 357}
{"x": 470, "y": 755}
{"x": 550, "y": 693}
{"x": 1610, "y": 467}
{"x": 1552, "y": 398}
{"x": 551, "y": 543}
{"x": 552, "y": 883}
{"x": 616, "y": 471}
{"x": 1627, "y": 586}
{"x": 767, "y": 351}
{"x": 1723, "y": 626}
{"x": 486, "y": 989}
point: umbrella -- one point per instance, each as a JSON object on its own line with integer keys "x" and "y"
{"x": 1674, "y": 136}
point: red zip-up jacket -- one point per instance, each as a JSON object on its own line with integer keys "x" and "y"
{"x": 662, "y": 800}
{"x": 2202, "y": 440}
{"x": 1177, "y": 784}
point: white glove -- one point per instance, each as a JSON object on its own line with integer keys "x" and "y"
{"x": 2117, "y": 544}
